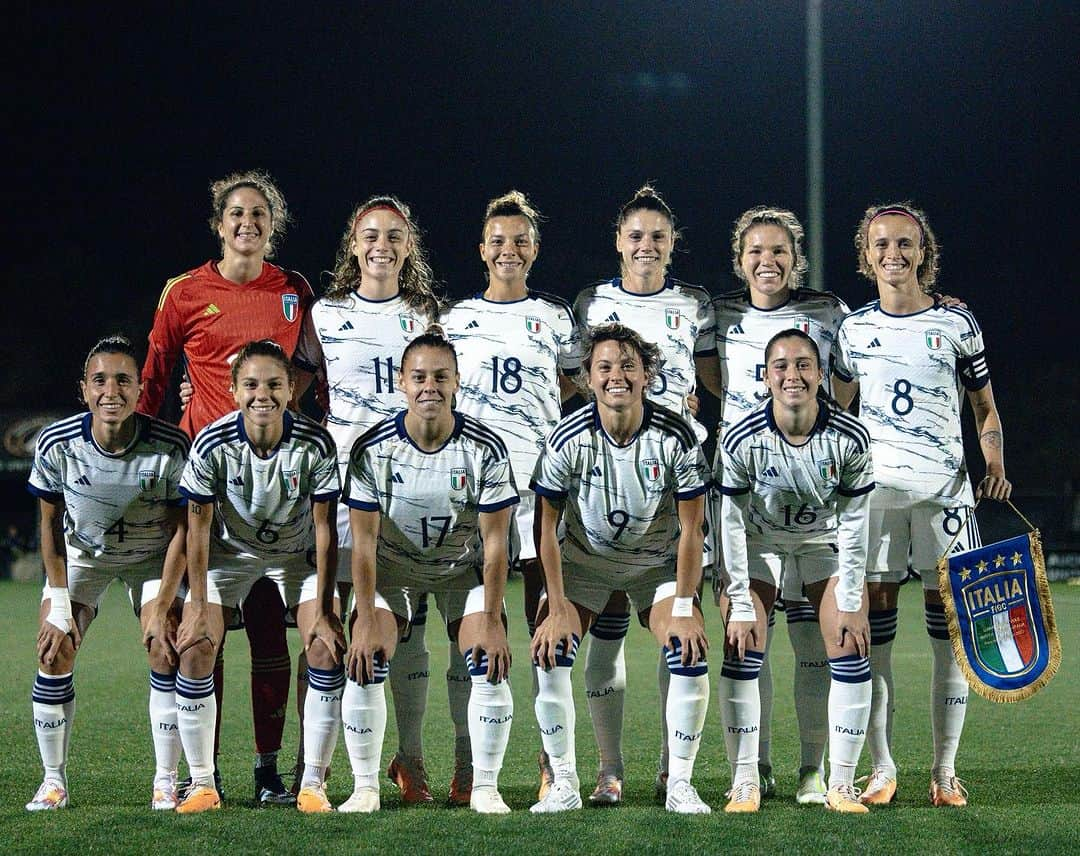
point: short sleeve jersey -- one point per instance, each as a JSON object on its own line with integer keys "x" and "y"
{"x": 678, "y": 318}
{"x": 429, "y": 502}
{"x": 743, "y": 331}
{"x": 208, "y": 319}
{"x": 911, "y": 371}
{"x": 262, "y": 506}
{"x": 116, "y": 506}
{"x": 509, "y": 356}
{"x": 620, "y": 501}
{"x": 360, "y": 342}
{"x": 794, "y": 489}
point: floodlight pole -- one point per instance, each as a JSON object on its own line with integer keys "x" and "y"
{"x": 815, "y": 125}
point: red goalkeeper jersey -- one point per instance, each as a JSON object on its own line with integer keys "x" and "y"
{"x": 209, "y": 318}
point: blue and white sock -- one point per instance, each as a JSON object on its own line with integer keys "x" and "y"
{"x": 490, "y": 713}
{"x": 163, "y": 727}
{"x": 322, "y": 715}
{"x": 687, "y": 704}
{"x": 605, "y": 687}
{"x": 740, "y": 711}
{"x": 53, "y": 700}
{"x": 849, "y": 714}
{"x": 196, "y": 710}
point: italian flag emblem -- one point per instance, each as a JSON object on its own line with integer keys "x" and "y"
{"x": 673, "y": 318}
{"x": 458, "y": 478}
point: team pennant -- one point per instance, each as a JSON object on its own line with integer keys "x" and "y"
{"x": 1001, "y": 620}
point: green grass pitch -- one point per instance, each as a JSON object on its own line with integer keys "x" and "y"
{"x": 1021, "y": 763}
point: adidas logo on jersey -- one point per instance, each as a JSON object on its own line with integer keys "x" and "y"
{"x": 397, "y": 479}
{"x": 737, "y": 330}
{"x": 771, "y": 472}
{"x": 613, "y": 318}
{"x": 348, "y": 325}
{"x": 874, "y": 343}
{"x": 238, "y": 480}
{"x": 472, "y": 325}
{"x": 211, "y": 309}
{"x": 83, "y": 480}
{"x": 596, "y": 471}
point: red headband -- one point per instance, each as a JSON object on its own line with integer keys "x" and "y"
{"x": 380, "y": 206}
{"x": 902, "y": 213}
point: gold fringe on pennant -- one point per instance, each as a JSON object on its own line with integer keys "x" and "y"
{"x": 1042, "y": 586}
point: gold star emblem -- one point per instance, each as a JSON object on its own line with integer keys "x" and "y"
{"x": 1016, "y": 557}
{"x": 982, "y": 565}
{"x": 999, "y": 561}
{"x": 965, "y": 574}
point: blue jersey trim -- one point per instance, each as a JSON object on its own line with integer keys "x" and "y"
{"x": 498, "y": 506}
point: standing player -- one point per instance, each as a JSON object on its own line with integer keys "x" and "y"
{"x": 678, "y": 318}
{"x": 270, "y": 478}
{"x": 381, "y": 296}
{"x": 517, "y": 351}
{"x": 206, "y": 315}
{"x": 431, "y": 495}
{"x": 767, "y": 255}
{"x": 107, "y": 483}
{"x": 909, "y": 357}
{"x": 629, "y": 478}
{"x": 796, "y": 476}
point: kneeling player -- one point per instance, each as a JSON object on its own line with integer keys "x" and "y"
{"x": 431, "y": 495}
{"x": 630, "y": 479}
{"x": 796, "y": 478}
{"x": 107, "y": 483}
{"x": 271, "y": 479}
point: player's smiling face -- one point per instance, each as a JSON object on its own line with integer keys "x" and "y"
{"x": 893, "y": 250}
{"x": 381, "y": 244}
{"x": 793, "y": 375}
{"x": 645, "y": 242}
{"x": 767, "y": 258}
{"x": 509, "y": 249}
{"x": 429, "y": 380}
{"x": 246, "y": 223}
{"x": 617, "y": 376}
{"x": 111, "y": 388}
{"x": 262, "y": 391}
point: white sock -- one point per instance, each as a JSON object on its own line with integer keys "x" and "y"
{"x": 196, "y": 710}
{"x": 556, "y": 716}
{"x": 409, "y": 686}
{"x": 948, "y": 692}
{"x": 458, "y": 689}
{"x": 363, "y": 713}
{"x": 322, "y": 715}
{"x": 765, "y": 693}
{"x": 740, "y": 711}
{"x": 811, "y": 683}
{"x": 491, "y": 710}
{"x": 53, "y": 699}
{"x": 882, "y": 705}
{"x": 663, "y": 683}
{"x": 163, "y": 728}
{"x": 605, "y": 688}
{"x": 849, "y": 714}
{"x": 687, "y": 704}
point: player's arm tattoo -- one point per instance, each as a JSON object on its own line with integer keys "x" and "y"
{"x": 991, "y": 439}
{"x": 196, "y": 508}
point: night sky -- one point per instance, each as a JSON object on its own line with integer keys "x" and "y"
{"x": 118, "y": 121}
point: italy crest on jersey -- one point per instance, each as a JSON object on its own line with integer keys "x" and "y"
{"x": 147, "y": 480}
{"x": 672, "y": 317}
{"x": 827, "y": 470}
{"x": 290, "y": 305}
{"x": 933, "y": 340}
{"x": 802, "y": 323}
{"x": 1001, "y": 620}
{"x": 292, "y": 482}
{"x": 532, "y": 324}
{"x": 458, "y": 478}
{"x": 408, "y": 325}
{"x": 650, "y": 469}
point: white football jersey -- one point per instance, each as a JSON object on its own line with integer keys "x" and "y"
{"x": 115, "y": 505}
{"x": 262, "y": 506}
{"x": 510, "y": 356}
{"x": 743, "y": 331}
{"x": 620, "y": 511}
{"x": 360, "y": 341}
{"x": 911, "y": 370}
{"x": 679, "y": 318}
{"x": 430, "y": 502}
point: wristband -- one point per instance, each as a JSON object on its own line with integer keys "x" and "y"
{"x": 683, "y": 607}
{"x": 59, "y": 608}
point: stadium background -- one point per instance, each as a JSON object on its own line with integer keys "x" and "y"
{"x": 118, "y": 120}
